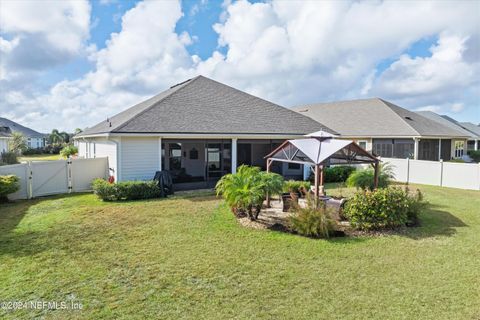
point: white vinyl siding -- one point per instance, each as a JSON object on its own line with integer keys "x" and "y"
{"x": 139, "y": 158}
{"x": 3, "y": 145}
{"x": 105, "y": 148}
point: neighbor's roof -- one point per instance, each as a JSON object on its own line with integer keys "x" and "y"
{"x": 471, "y": 127}
{"x": 202, "y": 106}
{"x": 374, "y": 118}
{"x": 15, "y": 127}
{"x": 448, "y": 122}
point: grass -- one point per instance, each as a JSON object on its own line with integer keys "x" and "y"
{"x": 187, "y": 257}
{"x": 40, "y": 157}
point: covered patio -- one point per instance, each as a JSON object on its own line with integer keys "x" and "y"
{"x": 319, "y": 150}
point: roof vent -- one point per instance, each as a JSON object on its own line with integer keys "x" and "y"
{"x": 176, "y": 85}
{"x": 408, "y": 118}
{"x": 303, "y": 110}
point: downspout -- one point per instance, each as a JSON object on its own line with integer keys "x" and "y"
{"x": 117, "y": 159}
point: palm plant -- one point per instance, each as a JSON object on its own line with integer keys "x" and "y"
{"x": 245, "y": 190}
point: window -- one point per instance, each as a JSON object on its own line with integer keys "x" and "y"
{"x": 293, "y": 166}
{"x": 459, "y": 146}
{"x": 362, "y": 144}
{"x": 175, "y": 156}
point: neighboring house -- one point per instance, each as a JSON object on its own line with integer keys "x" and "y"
{"x": 5, "y": 136}
{"x": 199, "y": 130}
{"x": 472, "y": 144}
{"x": 452, "y": 123}
{"x": 34, "y": 139}
{"x": 389, "y": 130}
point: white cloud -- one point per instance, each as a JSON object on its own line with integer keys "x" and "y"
{"x": 285, "y": 51}
{"x": 457, "y": 107}
{"x": 429, "y": 108}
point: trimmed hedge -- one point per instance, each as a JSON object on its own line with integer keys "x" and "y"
{"x": 384, "y": 208}
{"x": 296, "y": 186}
{"x": 338, "y": 173}
{"x": 474, "y": 154}
{"x": 8, "y": 158}
{"x": 122, "y": 191}
{"x": 8, "y": 184}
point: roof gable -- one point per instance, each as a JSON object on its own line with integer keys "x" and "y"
{"x": 202, "y": 105}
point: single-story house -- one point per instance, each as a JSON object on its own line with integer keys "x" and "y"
{"x": 389, "y": 130}
{"x": 34, "y": 139}
{"x": 199, "y": 130}
{"x": 452, "y": 123}
{"x": 5, "y": 136}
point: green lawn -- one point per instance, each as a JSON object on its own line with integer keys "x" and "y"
{"x": 40, "y": 157}
{"x": 187, "y": 257}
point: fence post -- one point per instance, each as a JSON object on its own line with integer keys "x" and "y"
{"x": 441, "y": 172}
{"x": 408, "y": 170}
{"x": 29, "y": 177}
{"x": 69, "y": 175}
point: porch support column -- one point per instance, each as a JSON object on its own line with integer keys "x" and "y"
{"x": 159, "y": 154}
{"x": 476, "y": 145}
{"x": 306, "y": 171}
{"x": 439, "y": 149}
{"x": 234, "y": 155}
{"x": 269, "y": 164}
{"x": 415, "y": 150}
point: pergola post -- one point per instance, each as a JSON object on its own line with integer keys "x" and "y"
{"x": 269, "y": 163}
{"x": 321, "y": 181}
{"x": 375, "y": 176}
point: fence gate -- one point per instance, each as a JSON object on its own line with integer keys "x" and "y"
{"x": 41, "y": 178}
{"x": 49, "y": 177}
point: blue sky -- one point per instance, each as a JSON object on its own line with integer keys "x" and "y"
{"x": 288, "y": 52}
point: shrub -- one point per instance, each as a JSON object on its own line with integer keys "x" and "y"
{"x": 129, "y": 190}
{"x": 338, "y": 173}
{"x": 31, "y": 151}
{"x": 364, "y": 179}
{"x": 8, "y": 184}
{"x": 296, "y": 186}
{"x": 383, "y": 208}
{"x": 8, "y": 158}
{"x": 312, "y": 221}
{"x": 68, "y": 151}
{"x": 245, "y": 190}
{"x": 474, "y": 154}
{"x": 53, "y": 148}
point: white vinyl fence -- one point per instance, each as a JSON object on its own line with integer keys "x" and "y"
{"x": 437, "y": 173}
{"x": 41, "y": 178}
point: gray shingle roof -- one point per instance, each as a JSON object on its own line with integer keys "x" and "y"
{"x": 471, "y": 127}
{"x": 374, "y": 118}
{"x": 201, "y": 105}
{"x": 451, "y": 123}
{"x": 15, "y": 127}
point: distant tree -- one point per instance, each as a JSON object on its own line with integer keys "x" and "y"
{"x": 77, "y": 131}
{"x": 55, "y": 137}
{"x": 65, "y": 137}
{"x": 18, "y": 143}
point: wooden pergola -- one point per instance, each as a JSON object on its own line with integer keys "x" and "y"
{"x": 320, "y": 151}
